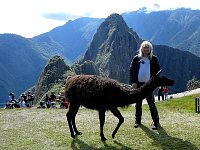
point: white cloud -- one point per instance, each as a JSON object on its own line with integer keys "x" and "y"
{"x": 32, "y": 17}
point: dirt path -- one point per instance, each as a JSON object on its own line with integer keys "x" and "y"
{"x": 186, "y": 93}
{"x": 178, "y": 95}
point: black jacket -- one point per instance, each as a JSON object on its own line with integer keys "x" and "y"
{"x": 134, "y": 68}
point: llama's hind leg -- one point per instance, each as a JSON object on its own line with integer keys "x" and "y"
{"x": 117, "y": 114}
{"x": 74, "y": 123}
{"x": 71, "y": 118}
{"x": 102, "y": 121}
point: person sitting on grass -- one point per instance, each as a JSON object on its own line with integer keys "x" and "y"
{"x": 52, "y": 97}
{"x": 53, "y": 105}
{"x": 41, "y": 105}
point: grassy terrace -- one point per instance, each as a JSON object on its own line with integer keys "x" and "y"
{"x": 47, "y": 129}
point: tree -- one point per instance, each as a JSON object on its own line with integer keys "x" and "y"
{"x": 194, "y": 83}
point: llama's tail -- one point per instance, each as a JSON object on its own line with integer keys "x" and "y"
{"x": 66, "y": 87}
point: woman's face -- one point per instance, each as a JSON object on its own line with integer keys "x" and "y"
{"x": 146, "y": 50}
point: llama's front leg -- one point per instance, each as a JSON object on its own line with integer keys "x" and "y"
{"x": 117, "y": 114}
{"x": 102, "y": 121}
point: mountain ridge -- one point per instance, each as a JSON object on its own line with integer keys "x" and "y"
{"x": 44, "y": 46}
{"x": 19, "y": 68}
{"x": 70, "y": 40}
{"x": 115, "y": 44}
{"x": 177, "y": 28}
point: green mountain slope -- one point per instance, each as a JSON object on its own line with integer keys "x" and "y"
{"x": 114, "y": 46}
{"x": 52, "y": 78}
{"x": 69, "y": 40}
{"x": 20, "y": 64}
{"x": 178, "y": 28}
{"x": 22, "y": 59}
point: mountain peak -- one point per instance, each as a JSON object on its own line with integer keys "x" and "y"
{"x": 51, "y": 74}
{"x": 115, "y": 17}
{"x": 115, "y": 21}
{"x": 108, "y": 49}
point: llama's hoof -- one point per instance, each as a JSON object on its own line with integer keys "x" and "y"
{"x": 79, "y": 133}
{"x": 73, "y": 136}
{"x": 103, "y": 139}
{"x": 113, "y": 136}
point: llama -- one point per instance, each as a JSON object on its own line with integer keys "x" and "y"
{"x": 102, "y": 94}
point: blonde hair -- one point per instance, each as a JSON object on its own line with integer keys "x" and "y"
{"x": 145, "y": 43}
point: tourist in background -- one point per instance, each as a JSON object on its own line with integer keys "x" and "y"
{"x": 160, "y": 93}
{"x": 166, "y": 90}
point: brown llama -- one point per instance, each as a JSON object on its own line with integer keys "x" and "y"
{"x": 102, "y": 94}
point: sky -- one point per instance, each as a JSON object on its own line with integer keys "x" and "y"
{"x": 30, "y": 18}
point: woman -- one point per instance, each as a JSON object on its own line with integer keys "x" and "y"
{"x": 143, "y": 66}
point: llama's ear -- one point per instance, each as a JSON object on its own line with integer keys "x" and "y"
{"x": 68, "y": 77}
{"x": 159, "y": 72}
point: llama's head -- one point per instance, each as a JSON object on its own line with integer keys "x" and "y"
{"x": 162, "y": 80}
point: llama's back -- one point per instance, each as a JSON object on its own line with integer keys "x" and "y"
{"x": 94, "y": 92}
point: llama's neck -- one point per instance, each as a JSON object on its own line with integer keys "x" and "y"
{"x": 142, "y": 92}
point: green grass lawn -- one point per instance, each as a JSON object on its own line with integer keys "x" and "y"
{"x": 47, "y": 129}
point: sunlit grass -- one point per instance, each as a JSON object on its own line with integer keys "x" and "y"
{"x": 47, "y": 129}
